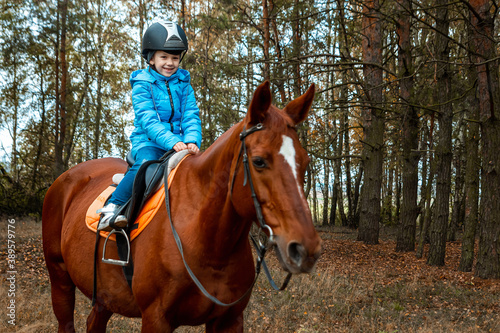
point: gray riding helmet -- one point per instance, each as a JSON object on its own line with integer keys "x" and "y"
{"x": 164, "y": 36}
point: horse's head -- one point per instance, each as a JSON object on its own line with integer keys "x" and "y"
{"x": 278, "y": 164}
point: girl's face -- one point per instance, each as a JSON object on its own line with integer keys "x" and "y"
{"x": 165, "y": 63}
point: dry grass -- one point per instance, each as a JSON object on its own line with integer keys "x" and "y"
{"x": 356, "y": 288}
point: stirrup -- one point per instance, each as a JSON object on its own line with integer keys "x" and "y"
{"x": 116, "y": 261}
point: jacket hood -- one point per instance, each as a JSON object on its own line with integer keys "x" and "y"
{"x": 151, "y": 76}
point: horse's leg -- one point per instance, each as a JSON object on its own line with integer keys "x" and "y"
{"x": 98, "y": 319}
{"x": 225, "y": 324}
{"x": 63, "y": 296}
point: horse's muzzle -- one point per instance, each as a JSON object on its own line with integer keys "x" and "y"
{"x": 296, "y": 258}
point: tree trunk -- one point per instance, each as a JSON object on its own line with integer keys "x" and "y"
{"x": 326, "y": 193}
{"x": 353, "y": 220}
{"x": 98, "y": 113}
{"x": 183, "y": 15}
{"x": 333, "y": 202}
{"x": 471, "y": 176}
{"x": 41, "y": 130}
{"x": 307, "y": 190}
{"x": 423, "y": 174}
{"x": 60, "y": 137}
{"x": 100, "y": 78}
{"x": 373, "y": 125}
{"x": 265, "y": 24}
{"x": 351, "y": 204}
{"x": 427, "y": 202}
{"x": 142, "y": 15}
{"x": 409, "y": 209}
{"x": 315, "y": 199}
{"x": 397, "y": 209}
{"x": 250, "y": 72}
{"x": 488, "y": 261}
{"x": 343, "y": 146}
{"x": 15, "y": 123}
{"x": 352, "y": 194}
{"x": 338, "y": 189}
{"x": 456, "y": 213}
{"x": 444, "y": 155}
{"x": 390, "y": 194}
{"x": 427, "y": 216}
{"x": 280, "y": 80}
{"x": 297, "y": 41}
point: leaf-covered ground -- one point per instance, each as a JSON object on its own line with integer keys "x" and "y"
{"x": 356, "y": 288}
{"x": 350, "y": 257}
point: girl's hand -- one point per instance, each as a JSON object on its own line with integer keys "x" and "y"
{"x": 193, "y": 148}
{"x": 180, "y": 146}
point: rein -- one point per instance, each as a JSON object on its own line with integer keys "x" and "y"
{"x": 259, "y": 247}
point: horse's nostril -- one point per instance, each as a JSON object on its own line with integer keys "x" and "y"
{"x": 296, "y": 253}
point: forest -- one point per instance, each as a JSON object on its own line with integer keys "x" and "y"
{"x": 404, "y": 130}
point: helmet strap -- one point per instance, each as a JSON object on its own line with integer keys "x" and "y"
{"x": 182, "y": 56}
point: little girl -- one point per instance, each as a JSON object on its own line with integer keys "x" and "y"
{"x": 166, "y": 114}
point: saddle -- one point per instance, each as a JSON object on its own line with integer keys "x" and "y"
{"x": 148, "y": 180}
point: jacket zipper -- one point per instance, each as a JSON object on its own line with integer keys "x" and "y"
{"x": 172, "y": 106}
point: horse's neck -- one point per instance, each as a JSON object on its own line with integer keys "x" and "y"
{"x": 219, "y": 223}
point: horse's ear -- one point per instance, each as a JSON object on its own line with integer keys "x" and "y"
{"x": 299, "y": 107}
{"x": 260, "y": 103}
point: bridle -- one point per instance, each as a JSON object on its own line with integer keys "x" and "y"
{"x": 260, "y": 248}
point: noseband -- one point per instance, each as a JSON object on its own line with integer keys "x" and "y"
{"x": 260, "y": 248}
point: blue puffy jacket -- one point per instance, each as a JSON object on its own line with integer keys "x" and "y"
{"x": 153, "y": 96}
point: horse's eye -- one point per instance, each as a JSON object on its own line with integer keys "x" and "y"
{"x": 259, "y": 162}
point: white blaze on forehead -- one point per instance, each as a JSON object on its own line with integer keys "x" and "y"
{"x": 288, "y": 151}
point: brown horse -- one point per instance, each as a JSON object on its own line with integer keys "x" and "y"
{"x": 212, "y": 212}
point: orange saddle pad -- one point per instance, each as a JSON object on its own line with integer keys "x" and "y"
{"x": 145, "y": 216}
